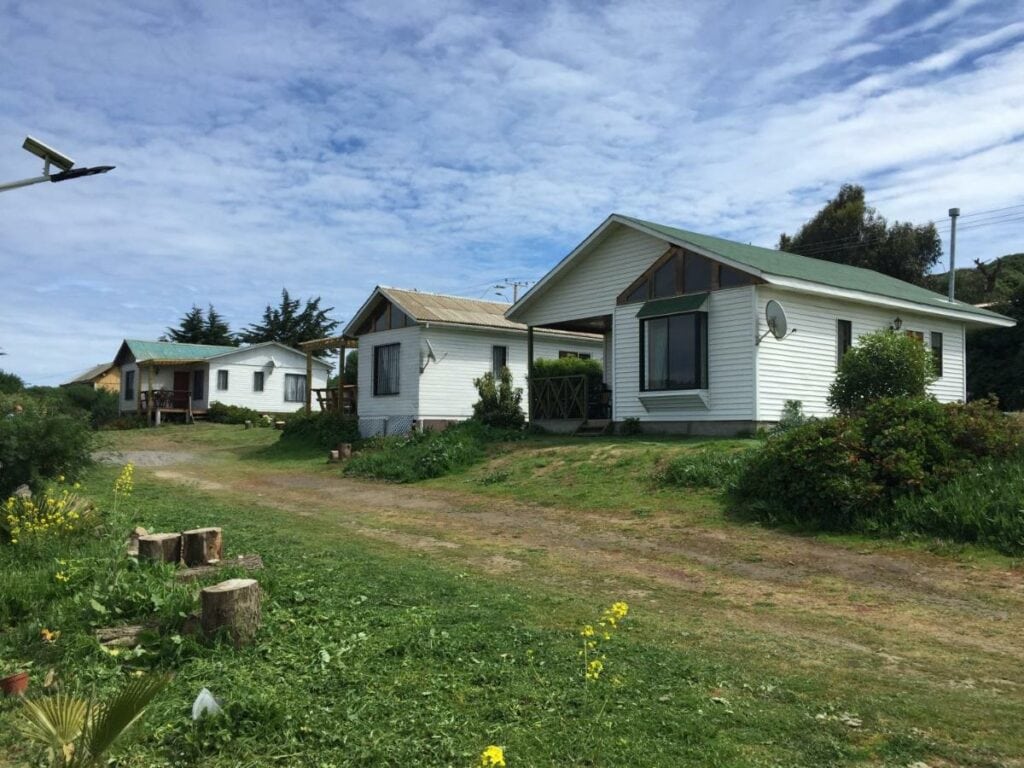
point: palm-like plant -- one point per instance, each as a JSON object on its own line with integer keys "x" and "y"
{"x": 78, "y": 732}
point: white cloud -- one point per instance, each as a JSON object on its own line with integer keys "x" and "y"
{"x": 445, "y": 146}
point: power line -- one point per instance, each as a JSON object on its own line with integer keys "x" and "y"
{"x": 992, "y": 210}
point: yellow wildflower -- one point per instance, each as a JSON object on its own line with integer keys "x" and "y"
{"x": 492, "y": 757}
{"x": 60, "y": 577}
{"x": 594, "y": 668}
{"x": 587, "y": 631}
{"x": 48, "y": 636}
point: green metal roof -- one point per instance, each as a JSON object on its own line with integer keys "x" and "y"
{"x": 672, "y": 306}
{"x": 172, "y": 350}
{"x": 783, "y": 264}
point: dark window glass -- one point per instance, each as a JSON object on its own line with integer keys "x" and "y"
{"x": 222, "y": 380}
{"x": 676, "y": 348}
{"x": 198, "y": 380}
{"x": 639, "y": 293}
{"x": 698, "y": 274}
{"x": 731, "y": 278}
{"x": 385, "y": 369}
{"x": 844, "y": 338}
{"x": 295, "y": 388}
{"x": 380, "y": 320}
{"x": 257, "y": 381}
{"x": 663, "y": 281}
{"x": 499, "y": 360}
{"x": 937, "y": 352}
{"x": 398, "y": 319}
{"x": 129, "y": 385}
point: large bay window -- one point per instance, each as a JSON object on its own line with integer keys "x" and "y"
{"x": 674, "y": 349}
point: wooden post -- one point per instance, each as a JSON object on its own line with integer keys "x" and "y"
{"x": 160, "y": 547}
{"x": 138, "y": 388}
{"x": 202, "y": 546}
{"x": 149, "y": 400}
{"x": 233, "y": 605}
{"x": 529, "y": 373}
{"x": 309, "y": 380}
{"x": 341, "y": 377}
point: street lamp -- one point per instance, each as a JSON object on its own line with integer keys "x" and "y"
{"x": 52, "y": 157}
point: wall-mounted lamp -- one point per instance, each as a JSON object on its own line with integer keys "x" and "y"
{"x": 897, "y": 323}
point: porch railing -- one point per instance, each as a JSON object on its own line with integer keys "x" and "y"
{"x": 330, "y": 399}
{"x": 570, "y": 397}
{"x": 153, "y": 399}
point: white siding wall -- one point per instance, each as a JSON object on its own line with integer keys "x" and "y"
{"x": 464, "y": 354}
{"x": 802, "y": 367}
{"x": 243, "y": 364}
{"x": 163, "y": 378}
{"x": 730, "y": 363}
{"x": 590, "y": 288}
{"x": 405, "y": 403}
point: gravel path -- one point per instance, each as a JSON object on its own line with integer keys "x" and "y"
{"x": 144, "y": 458}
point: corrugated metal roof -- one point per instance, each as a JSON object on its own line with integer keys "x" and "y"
{"x": 174, "y": 351}
{"x": 86, "y": 377}
{"x": 438, "y": 308}
{"x": 782, "y": 264}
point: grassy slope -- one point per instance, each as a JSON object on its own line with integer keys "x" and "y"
{"x": 376, "y": 654}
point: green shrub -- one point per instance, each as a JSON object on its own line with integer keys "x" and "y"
{"x": 500, "y": 404}
{"x": 323, "y": 430}
{"x": 219, "y": 413}
{"x": 630, "y": 426}
{"x": 566, "y": 366}
{"x": 850, "y": 473}
{"x": 10, "y": 383}
{"x": 38, "y": 442}
{"x": 882, "y": 364}
{"x": 423, "y": 455}
{"x": 792, "y": 416}
{"x": 706, "y": 468}
{"x": 101, "y": 406}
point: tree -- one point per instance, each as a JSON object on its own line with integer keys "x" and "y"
{"x": 500, "y": 404}
{"x": 882, "y": 364}
{"x": 848, "y": 231}
{"x": 197, "y": 328}
{"x": 289, "y": 325}
{"x": 995, "y": 358}
{"x": 10, "y": 383}
{"x": 351, "y": 374}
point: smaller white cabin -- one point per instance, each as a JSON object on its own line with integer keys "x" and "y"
{"x": 419, "y": 354}
{"x": 159, "y": 378}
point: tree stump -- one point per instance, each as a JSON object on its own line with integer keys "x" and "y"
{"x": 233, "y": 605}
{"x": 202, "y": 546}
{"x": 160, "y": 547}
{"x": 344, "y": 451}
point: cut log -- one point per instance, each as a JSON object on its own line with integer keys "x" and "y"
{"x": 201, "y": 546}
{"x": 120, "y": 637}
{"x": 248, "y": 562}
{"x": 234, "y": 606}
{"x": 160, "y": 547}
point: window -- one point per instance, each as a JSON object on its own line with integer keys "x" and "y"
{"x": 663, "y": 283}
{"x": 257, "y": 381}
{"x": 295, "y": 387}
{"x": 937, "y": 352}
{"x": 385, "y": 317}
{"x": 570, "y": 353}
{"x": 697, "y": 274}
{"x": 731, "y": 278}
{"x": 222, "y": 380}
{"x": 129, "y": 385}
{"x": 385, "y": 369}
{"x": 919, "y": 335}
{"x": 198, "y": 380}
{"x": 679, "y": 272}
{"x": 499, "y": 360}
{"x": 844, "y": 333}
{"x": 676, "y": 352}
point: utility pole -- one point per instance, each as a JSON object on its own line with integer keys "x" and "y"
{"x": 953, "y": 213}
{"x": 516, "y": 285}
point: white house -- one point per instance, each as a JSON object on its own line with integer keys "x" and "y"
{"x": 684, "y": 319}
{"x": 162, "y": 377}
{"x": 420, "y": 352}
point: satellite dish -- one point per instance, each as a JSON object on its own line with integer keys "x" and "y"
{"x": 775, "y": 316}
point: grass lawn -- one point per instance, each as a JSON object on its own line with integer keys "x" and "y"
{"x": 418, "y": 624}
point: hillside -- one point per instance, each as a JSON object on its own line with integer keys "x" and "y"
{"x": 991, "y": 283}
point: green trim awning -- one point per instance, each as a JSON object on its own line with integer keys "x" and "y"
{"x": 673, "y": 306}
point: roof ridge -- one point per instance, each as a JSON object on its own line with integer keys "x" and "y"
{"x": 443, "y": 295}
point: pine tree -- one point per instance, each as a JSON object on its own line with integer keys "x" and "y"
{"x": 197, "y": 328}
{"x": 289, "y": 325}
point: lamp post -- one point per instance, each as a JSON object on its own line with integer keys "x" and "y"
{"x": 52, "y": 157}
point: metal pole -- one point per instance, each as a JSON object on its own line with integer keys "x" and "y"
{"x": 953, "y": 213}
{"x": 23, "y": 183}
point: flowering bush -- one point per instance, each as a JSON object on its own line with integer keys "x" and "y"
{"x": 593, "y": 637}
{"x": 50, "y": 512}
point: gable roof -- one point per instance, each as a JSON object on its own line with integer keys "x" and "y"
{"x": 86, "y": 377}
{"x": 425, "y": 307}
{"x": 177, "y": 352}
{"x": 783, "y": 269}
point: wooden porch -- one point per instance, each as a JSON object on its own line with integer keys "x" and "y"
{"x": 155, "y": 403}
{"x": 344, "y": 397}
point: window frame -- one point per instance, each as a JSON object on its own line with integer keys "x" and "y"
{"x": 300, "y": 387}
{"x": 129, "y": 386}
{"x": 641, "y": 289}
{"x": 222, "y": 380}
{"x": 378, "y": 350}
{"x": 844, "y": 338}
{"x": 563, "y": 353}
{"x": 938, "y": 351}
{"x": 701, "y": 334}
{"x": 495, "y": 368}
{"x": 258, "y": 381}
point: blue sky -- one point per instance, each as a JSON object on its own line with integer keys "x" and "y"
{"x": 329, "y": 147}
